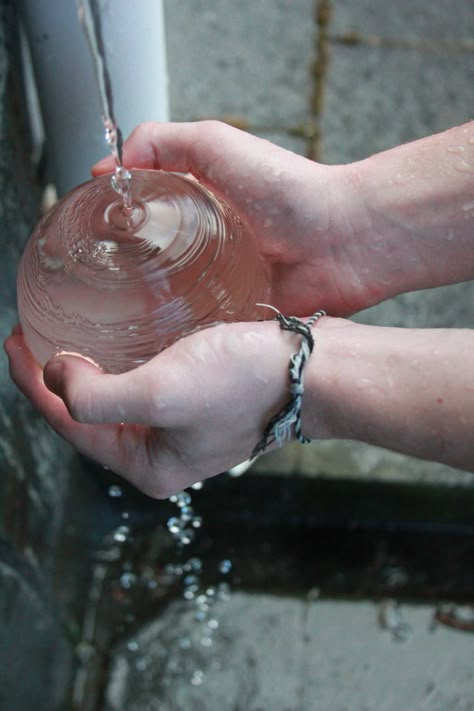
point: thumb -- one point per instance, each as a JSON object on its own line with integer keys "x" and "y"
{"x": 94, "y": 397}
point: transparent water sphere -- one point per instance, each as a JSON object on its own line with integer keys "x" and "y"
{"x": 120, "y": 285}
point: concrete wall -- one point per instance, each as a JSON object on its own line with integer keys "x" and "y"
{"x": 43, "y": 568}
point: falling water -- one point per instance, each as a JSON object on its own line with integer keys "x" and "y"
{"x": 202, "y": 600}
{"x": 89, "y": 18}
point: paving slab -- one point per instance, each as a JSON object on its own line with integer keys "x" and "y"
{"x": 288, "y": 654}
{"x": 245, "y": 59}
{"x": 377, "y": 98}
{"x": 405, "y": 19}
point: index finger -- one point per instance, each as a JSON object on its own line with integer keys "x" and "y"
{"x": 214, "y": 152}
{"x": 180, "y": 147}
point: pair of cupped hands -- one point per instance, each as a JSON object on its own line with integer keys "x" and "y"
{"x": 200, "y": 406}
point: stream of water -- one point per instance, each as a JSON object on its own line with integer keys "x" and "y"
{"x": 90, "y": 20}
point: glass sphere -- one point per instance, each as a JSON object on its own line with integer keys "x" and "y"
{"x": 119, "y": 285}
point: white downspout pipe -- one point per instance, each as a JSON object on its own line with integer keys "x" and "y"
{"x": 134, "y": 38}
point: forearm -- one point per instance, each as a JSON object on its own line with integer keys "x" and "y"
{"x": 411, "y": 209}
{"x": 407, "y": 390}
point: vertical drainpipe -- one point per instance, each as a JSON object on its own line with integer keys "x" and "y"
{"x": 134, "y": 38}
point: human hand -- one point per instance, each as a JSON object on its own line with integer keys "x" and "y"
{"x": 338, "y": 238}
{"x": 288, "y": 202}
{"x": 196, "y": 409}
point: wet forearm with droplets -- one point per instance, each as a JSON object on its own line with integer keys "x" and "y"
{"x": 419, "y": 201}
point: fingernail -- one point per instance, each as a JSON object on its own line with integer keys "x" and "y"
{"x": 53, "y": 375}
{"x": 88, "y": 359}
{"x": 104, "y": 164}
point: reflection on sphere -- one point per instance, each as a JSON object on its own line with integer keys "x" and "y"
{"x": 118, "y": 286}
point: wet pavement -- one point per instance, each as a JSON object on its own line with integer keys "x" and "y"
{"x": 282, "y": 654}
{"x": 297, "y": 594}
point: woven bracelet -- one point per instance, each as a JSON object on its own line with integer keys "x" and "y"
{"x": 279, "y": 428}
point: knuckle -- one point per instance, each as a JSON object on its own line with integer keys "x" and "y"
{"x": 142, "y": 135}
{"x": 144, "y": 130}
{"x": 215, "y": 128}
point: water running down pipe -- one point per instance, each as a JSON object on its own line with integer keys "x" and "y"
{"x": 134, "y": 38}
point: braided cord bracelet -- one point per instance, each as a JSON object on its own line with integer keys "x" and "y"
{"x": 279, "y": 428}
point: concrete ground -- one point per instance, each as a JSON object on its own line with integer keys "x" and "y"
{"x": 277, "y": 654}
{"x": 336, "y": 81}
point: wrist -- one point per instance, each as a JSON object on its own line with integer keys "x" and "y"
{"x": 349, "y": 381}
{"x": 323, "y": 413}
{"x": 375, "y": 230}
{"x": 367, "y": 254}
{"x": 407, "y": 390}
